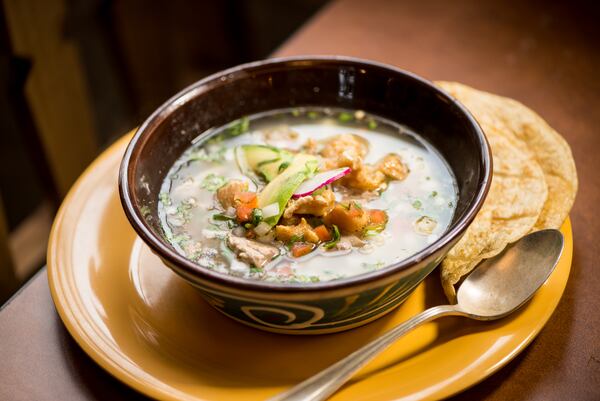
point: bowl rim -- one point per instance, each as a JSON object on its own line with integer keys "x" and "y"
{"x": 192, "y": 269}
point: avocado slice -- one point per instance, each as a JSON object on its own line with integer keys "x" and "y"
{"x": 267, "y": 161}
{"x": 282, "y": 187}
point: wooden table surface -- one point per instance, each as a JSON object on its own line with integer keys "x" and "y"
{"x": 545, "y": 55}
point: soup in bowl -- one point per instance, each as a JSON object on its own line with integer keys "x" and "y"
{"x": 305, "y": 195}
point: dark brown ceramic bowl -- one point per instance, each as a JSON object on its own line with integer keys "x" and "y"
{"x": 305, "y": 81}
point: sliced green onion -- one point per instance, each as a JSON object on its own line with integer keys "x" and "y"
{"x": 335, "y": 239}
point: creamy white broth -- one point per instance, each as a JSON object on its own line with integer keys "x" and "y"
{"x": 427, "y": 194}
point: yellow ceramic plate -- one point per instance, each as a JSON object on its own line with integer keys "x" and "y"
{"x": 151, "y": 330}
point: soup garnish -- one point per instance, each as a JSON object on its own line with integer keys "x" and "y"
{"x": 306, "y": 195}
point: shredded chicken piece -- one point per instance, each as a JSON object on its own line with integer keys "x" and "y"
{"x": 392, "y": 166}
{"x": 354, "y": 241}
{"x": 226, "y": 194}
{"x": 316, "y": 205}
{"x": 302, "y": 230}
{"x": 346, "y": 242}
{"x": 250, "y": 251}
{"x": 345, "y": 150}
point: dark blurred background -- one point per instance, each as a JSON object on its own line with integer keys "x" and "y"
{"x": 77, "y": 74}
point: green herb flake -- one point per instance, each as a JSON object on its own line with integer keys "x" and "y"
{"x": 256, "y": 216}
{"x": 334, "y": 240}
{"x": 417, "y": 204}
{"x": 212, "y": 182}
{"x": 181, "y": 239}
{"x": 164, "y": 198}
{"x": 372, "y": 124}
{"x": 183, "y": 211}
{"x": 215, "y": 140}
{"x": 238, "y": 127}
{"x": 222, "y": 217}
{"x": 296, "y": 113}
{"x": 295, "y": 238}
{"x": 345, "y": 117}
{"x": 372, "y": 266}
{"x": 357, "y": 205}
{"x": 312, "y": 115}
{"x": 371, "y": 231}
{"x": 216, "y": 154}
{"x": 145, "y": 211}
{"x": 255, "y": 270}
{"x": 434, "y": 194}
{"x": 450, "y": 204}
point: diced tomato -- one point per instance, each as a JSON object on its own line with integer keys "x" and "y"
{"x": 244, "y": 212}
{"x": 247, "y": 198}
{"x": 301, "y": 249}
{"x": 323, "y": 233}
{"x": 377, "y": 217}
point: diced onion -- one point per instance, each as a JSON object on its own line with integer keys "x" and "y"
{"x": 270, "y": 210}
{"x": 262, "y": 228}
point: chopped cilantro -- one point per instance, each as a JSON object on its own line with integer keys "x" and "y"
{"x": 164, "y": 198}
{"x": 344, "y": 117}
{"x": 373, "y": 230}
{"x": 222, "y": 217}
{"x": 300, "y": 278}
{"x": 212, "y": 182}
{"x": 256, "y": 216}
{"x": 296, "y": 112}
{"x": 183, "y": 211}
{"x": 312, "y": 115}
{"x": 145, "y": 211}
{"x": 372, "y": 124}
{"x": 334, "y": 240}
{"x": 238, "y": 127}
{"x": 417, "y": 204}
{"x": 215, "y": 139}
{"x": 180, "y": 239}
{"x": 255, "y": 270}
{"x": 434, "y": 194}
{"x": 450, "y": 204}
{"x": 215, "y": 155}
{"x": 357, "y": 205}
{"x": 372, "y": 266}
{"x": 295, "y": 238}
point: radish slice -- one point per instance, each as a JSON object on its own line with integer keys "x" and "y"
{"x": 320, "y": 180}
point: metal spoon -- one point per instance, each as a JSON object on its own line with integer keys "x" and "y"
{"x": 498, "y": 287}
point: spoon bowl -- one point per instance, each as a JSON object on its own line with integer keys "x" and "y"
{"x": 496, "y": 288}
{"x": 505, "y": 282}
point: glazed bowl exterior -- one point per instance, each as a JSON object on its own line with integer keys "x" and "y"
{"x": 326, "y": 81}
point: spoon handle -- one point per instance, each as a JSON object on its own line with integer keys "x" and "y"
{"x": 326, "y": 382}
